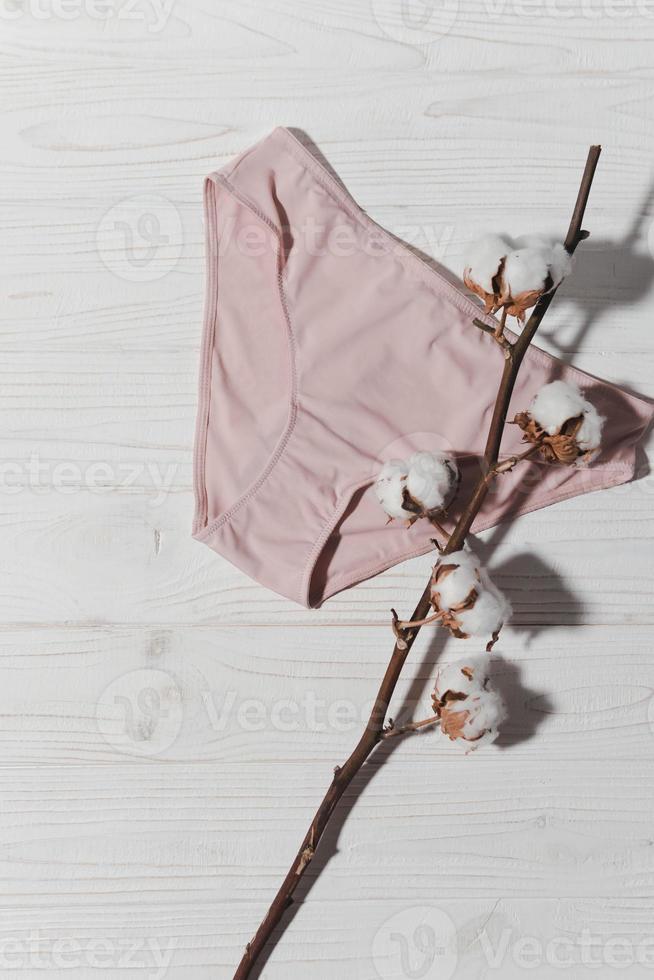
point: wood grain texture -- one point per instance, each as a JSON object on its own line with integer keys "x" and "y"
{"x": 167, "y": 726}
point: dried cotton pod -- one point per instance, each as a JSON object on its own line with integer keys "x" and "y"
{"x": 432, "y": 480}
{"x": 469, "y": 709}
{"x": 465, "y": 598}
{"x": 529, "y": 272}
{"x": 565, "y": 426}
{"x": 421, "y": 487}
{"x": 514, "y": 275}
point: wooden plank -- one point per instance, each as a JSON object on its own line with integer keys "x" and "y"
{"x": 276, "y": 695}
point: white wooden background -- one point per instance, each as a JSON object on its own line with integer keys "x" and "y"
{"x": 167, "y": 727}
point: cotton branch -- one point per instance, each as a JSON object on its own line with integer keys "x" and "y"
{"x": 374, "y": 732}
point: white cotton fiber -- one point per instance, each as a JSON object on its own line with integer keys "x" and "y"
{"x": 489, "y": 612}
{"x": 463, "y": 557}
{"x": 560, "y": 263}
{"x": 525, "y": 271}
{"x": 390, "y": 486}
{"x": 555, "y": 255}
{"x": 560, "y": 401}
{"x": 454, "y": 587}
{"x": 472, "y": 717}
{"x": 431, "y": 479}
{"x": 532, "y": 241}
{"x": 555, "y": 403}
{"x": 528, "y": 265}
{"x": 486, "y": 712}
{"x": 589, "y": 435}
{"x": 466, "y": 676}
{"x": 482, "y": 259}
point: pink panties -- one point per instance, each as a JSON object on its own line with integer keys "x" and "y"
{"x": 330, "y": 347}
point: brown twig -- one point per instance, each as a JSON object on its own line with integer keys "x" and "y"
{"x": 412, "y": 726}
{"x": 499, "y": 338}
{"x": 499, "y": 329}
{"x": 403, "y": 625}
{"x": 506, "y": 465}
{"x": 439, "y": 527}
{"x": 374, "y": 731}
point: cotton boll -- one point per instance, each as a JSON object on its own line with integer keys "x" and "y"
{"x": 533, "y": 268}
{"x": 390, "y": 486}
{"x": 558, "y": 402}
{"x": 514, "y": 275}
{"x": 432, "y": 479}
{"x": 416, "y": 489}
{"x": 564, "y": 425}
{"x": 465, "y": 599}
{"x": 555, "y": 403}
{"x": 482, "y": 260}
{"x": 470, "y": 711}
{"x": 483, "y": 714}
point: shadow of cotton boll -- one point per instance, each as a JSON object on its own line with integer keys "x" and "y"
{"x": 526, "y": 707}
{"x": 608, "y": 274}
{"x": 539, "y": 595}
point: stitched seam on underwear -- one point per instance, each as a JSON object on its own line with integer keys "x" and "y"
{"x": 396, "y": 247}
{"x": 362, "y": 573}
{"x": 293, "y": 407}
{"x": 326, "y": 529}
{"x": 229, "y": 171}
{"x": 247, "y": 202}
{"x": 208, "y": 335}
